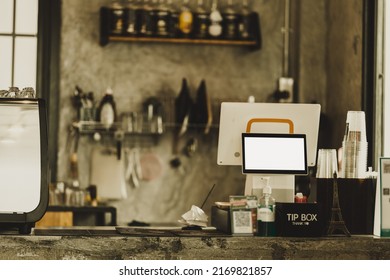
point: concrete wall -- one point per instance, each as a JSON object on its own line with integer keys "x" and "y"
{"x": 136, "y": 71}
{"x": 344, "y": 60}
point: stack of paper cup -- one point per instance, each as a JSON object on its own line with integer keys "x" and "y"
{"x": 354, "y": 160}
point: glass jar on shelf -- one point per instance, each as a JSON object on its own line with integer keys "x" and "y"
{"x": 174, "y": 12}
{"x": 215, "y": 27}
{"x": 116, "y": 18}
{"x": 186, "y": 19}
{"x": 230, "y": 20}
{"x": 132, "y": 18}
{"x": 245, "y": 26}
{"x": 146, "y": 19}
{"x": 162, "y": 19}
{"x": 201, "y": 20}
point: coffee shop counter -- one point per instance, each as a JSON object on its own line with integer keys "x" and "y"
{"x": 108, "y": 243}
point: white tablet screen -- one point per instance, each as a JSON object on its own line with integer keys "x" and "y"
{"x": 274, "y": 153}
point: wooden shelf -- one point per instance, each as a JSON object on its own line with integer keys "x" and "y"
{"x": 182, "y": 41}
{"x": 107, "y": 37}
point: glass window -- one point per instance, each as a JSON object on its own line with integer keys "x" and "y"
{"x": 18, "y": 43}
{"x": 26, "y": 17}
{"x": 6, "y": 16}
{"x": 5, "y": 61}
{"x": 25, "y": 70}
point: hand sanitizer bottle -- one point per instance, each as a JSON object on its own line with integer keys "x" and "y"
{"x": 266, "y": 213}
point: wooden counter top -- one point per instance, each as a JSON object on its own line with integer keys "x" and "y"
{"x": 105, "y": 243}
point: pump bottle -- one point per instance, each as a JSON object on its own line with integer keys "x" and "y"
{"x": 266, "y": 213}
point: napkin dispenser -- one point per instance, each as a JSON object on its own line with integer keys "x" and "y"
{"x": 23, "y": 163}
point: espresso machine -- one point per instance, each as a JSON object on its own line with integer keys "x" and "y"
{"x": 24, "y": 190}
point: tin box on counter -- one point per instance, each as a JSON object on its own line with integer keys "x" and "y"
{"x": 299, "y": 220}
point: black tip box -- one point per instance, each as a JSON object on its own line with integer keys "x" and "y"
{"x": 299, "y": 220}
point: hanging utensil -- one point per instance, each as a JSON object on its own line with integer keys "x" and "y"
{"x": 72, "y": 146}
{"x": 137, "y": 164}
{"x": 133, "y": 173}
{"x": 183, "y": 107}
{"x": 119, "y": 136}
{"x": 108, "y": 174}
{"x": 203, "y": 114}
{"x": 183, "y": 110}
{"x": 129, "y": 165}
{"x": 191, "y": 146}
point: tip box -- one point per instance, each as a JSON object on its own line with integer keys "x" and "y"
{"x": 299, "y": 220}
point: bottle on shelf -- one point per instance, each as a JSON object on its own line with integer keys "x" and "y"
{"x": 74, "y": 171}
{"x": 74, "y": 195}
{"x": 215, "y": 27}
{"x": 153, "y": 17}
{"x": 230, "y": 21}
{"x": 162, "y": 19}
{"x": 245, "y": 28}
{"x": 186, "y": 19}
{"x": 174, "y": 11}
{"x": 266, "y": 212}
{"x": 116, "y": 18}
{"x": 107, "y": 110}
{"x": 146, "y": 19}
{"x": 201, "y": 20}
{"x": 132, "y": 18}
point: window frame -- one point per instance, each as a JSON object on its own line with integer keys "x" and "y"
{"x": 47, "y": 85}
{"x": 14, "y": 35}
{"x": 47, "y": 69}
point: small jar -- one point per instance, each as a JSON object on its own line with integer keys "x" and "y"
{"x": 117, "y": 18}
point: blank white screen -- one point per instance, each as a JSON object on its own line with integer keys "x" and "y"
{"x": 273, "y": 153}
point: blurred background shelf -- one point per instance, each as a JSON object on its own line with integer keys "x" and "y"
{"x": 78, "y": 216}
{"x": 109, "y": 32}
